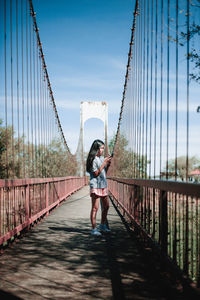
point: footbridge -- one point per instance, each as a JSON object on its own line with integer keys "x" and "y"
{"x": 153, "y": 250}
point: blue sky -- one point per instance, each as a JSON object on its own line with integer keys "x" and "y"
{"x": 86, "y": 45}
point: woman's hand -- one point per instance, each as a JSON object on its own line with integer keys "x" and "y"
{"x": 107, "y": 160}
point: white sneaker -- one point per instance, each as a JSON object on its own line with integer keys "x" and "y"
{"x": 104, "y": 228}
{"x": 95, "y": 232}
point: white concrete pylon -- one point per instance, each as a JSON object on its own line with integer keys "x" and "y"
{"x": 88, "y": 110}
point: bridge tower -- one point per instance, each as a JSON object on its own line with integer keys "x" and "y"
{"x": 88, "y": 110}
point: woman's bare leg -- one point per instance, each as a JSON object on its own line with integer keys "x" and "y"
{"x": 105, "y": 207}
{"x": 94, "y": 210}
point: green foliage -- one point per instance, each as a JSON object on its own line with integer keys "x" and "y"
{"x": 193, "y": 163}
{"x": 21, "y": 159}
{"x": 60, "y": 162}
{"x": 9, "y": 162}
{"x": 194, "y": 54}
{"x": 126, "y": 163}
{"x": 191, "y": 34}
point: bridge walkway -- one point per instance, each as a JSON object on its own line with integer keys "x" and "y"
{"x": 59, "y": 259}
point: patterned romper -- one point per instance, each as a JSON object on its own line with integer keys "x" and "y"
{"x": 98, "y": 184}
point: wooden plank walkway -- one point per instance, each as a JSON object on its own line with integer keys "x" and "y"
{"x": 59, "y": 259}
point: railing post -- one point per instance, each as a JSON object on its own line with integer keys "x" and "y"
{"x": 47, "y": 197}
{"x": 163, "y": 228}
{"x": 136, "y": 202}
{"x": 27, "y": 207}
{"x": 154, "y": 208}
{"x": 58, "y": 190}
{"x": 186, "y": 237}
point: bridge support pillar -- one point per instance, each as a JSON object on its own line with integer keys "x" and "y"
{"x": 90, "y": 110}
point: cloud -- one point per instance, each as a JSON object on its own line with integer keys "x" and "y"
{"x": 74, "y": 105}
{"x": 70, "y": 103}
{"x": 89, "y": 82}
{"x": 117, "y": 64}
{"x": 110, "y": 62}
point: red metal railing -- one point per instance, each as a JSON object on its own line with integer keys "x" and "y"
{"x": 23, "y": 201}
{"x": 166, "y": 212}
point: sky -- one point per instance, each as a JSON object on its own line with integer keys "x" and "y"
{"x": 86, "y": 44}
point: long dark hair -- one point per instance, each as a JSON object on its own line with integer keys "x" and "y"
{"x": 92, "y": 153}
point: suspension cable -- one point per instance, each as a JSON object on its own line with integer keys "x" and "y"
{"x": 126, "y": 76}
{"x": 47, "y": 77}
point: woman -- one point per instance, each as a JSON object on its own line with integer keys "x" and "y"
{"x": 97, "y": 167}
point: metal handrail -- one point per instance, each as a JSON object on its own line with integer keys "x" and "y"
{"x": 167, "y": 213}
{"x": 23, "y": 201}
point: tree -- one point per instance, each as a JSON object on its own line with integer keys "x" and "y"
{"x": 191, "y": 32}
{"x": 10, "y": 156}
{"x": 126, "y": 163}
{"x": 21, "y": 159}
{"x": 193, "y": 162}
{"x": 194, "y": 54}
{"x": 59, "y": 162}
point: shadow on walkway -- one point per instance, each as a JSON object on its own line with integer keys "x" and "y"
{"x": 59, "y": 259}
{"x": 7, "y": 296}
